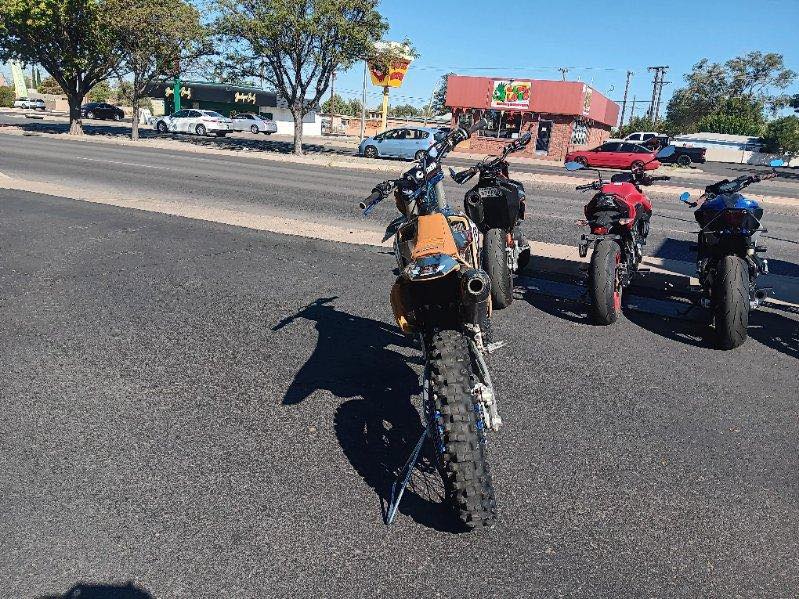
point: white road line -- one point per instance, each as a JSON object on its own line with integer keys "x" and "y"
{"x": 158, "y": 168}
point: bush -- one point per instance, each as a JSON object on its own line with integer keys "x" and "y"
{"x": 782, "y": 136}
{"x": 7, "y": 97}
{"x": 50, "y": 86}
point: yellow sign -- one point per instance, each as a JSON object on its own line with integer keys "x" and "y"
{"x": 392, "y": 78}
{"x": 393, "y": 75}
{"x": 185, "y": 92}
{"x": 249, "y": 98}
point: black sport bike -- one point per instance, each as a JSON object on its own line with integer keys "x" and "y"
{"x": 496, "y": 205}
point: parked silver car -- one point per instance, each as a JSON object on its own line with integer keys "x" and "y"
{"x": 200, "y": 122}
{"x": 247, "y": 121}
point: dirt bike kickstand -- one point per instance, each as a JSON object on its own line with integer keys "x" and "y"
{"x": 404, "y": 478}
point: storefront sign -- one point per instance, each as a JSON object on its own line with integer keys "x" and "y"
{"x": 511, "y": 94}
{"x": 587, "y": 93}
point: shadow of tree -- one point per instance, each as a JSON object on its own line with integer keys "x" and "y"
{"x": 378, "y": 430}
{"x": 242, "y": 144}
{"x": 102, "y": 591}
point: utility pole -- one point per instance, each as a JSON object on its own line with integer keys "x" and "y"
{"x": 657, "y": 88}
{"x": 332, "y": 95}
{"x": 624, "y": 102}
{"x": 563, "y": 71}
{"x": 660, "y": 91}
{"x": 632, "y": 111}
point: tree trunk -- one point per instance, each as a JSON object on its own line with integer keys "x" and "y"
{"x": 75, "y": 120}
{"x": 134, "y": 127}
{"x": 297, "y": 113}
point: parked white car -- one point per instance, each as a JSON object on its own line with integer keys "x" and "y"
{"x": 247, "y": 121}
{"x": 30, "y": 103}
{"x": 200, "y": 122}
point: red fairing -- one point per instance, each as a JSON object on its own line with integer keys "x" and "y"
{"x": 627, "y": 194}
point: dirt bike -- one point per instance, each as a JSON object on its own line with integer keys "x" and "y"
{"x": 727, "y": 255}
{"x": 443, "y": 296}
{"x": 618, "y": 215}
{"x": 496, "y": 205}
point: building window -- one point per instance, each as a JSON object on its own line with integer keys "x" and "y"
{"x": 580, "y": 134}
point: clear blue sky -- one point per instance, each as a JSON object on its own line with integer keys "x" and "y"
{"x": 531, "y": 38}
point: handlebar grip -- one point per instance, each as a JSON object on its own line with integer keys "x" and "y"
{"x": 373, "y": 198}
{"x": 481, "y": 124}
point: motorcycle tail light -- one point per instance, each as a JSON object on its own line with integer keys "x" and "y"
{"x": 599, "y": 230}
{"x": 734, "y": 218}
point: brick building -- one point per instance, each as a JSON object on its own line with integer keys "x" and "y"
{"x": 561, "y": 115}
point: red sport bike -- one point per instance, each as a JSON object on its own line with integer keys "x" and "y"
{"x": 618, "y": 215}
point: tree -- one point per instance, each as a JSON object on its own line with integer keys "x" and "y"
{"x": 101, "y": 92}
{"x": 404, "y": 111}
{"x": 296, "y": 45}
{"x": 754, "y": 77}
{"x": 741, "y": 115}
{"x": 155, "y": 47}
{"x": 439, "y": 104}
{"x": 782, "y": 136}
{"x": 339, "y": 105}
{"x": 50, "y": 86}
{"x": 794, "y": 102}
{"x": 72, "y": 39}
{"x": 642, "y": 123}
{"x": 7, "y": 96}
{"x": 354, "y": 107}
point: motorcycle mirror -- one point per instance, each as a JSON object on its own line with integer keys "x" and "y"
{"x": 685, "y": 197}
{"x": 452, "y": 172}
{"x": 574, "y": 166}
{"x": 666, "y": 152}
{"x": 525, "y": 139}
{"x": 776, "y": 162}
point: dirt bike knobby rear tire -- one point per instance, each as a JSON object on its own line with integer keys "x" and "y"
{"x": 495, "y": 263}
{"x": 731, "y": 302}
{"x": 604, "y": 298}
{"x": 459, "y": 440}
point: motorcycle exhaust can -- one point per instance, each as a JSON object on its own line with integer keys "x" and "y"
{"x": 475, "y": 286}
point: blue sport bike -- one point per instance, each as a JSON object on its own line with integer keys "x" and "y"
{"x": 728, "y": 255}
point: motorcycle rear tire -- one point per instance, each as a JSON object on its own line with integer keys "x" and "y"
{"x": 731, "y": 302}
{"x": 495, "y": 263}
{"x": 459, "y": 430}
{"x": 604, "y": 297}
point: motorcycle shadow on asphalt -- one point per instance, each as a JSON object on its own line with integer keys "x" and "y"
{"x": 355, "y": 358}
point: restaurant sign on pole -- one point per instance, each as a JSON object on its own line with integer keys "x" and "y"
{"x": 511, "y": 94}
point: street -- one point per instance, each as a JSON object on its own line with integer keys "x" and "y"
{"x": 704, "y": 174}
{"x": 216, "y": 411}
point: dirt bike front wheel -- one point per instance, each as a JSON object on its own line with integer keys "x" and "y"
{"x": 459, "y": 429}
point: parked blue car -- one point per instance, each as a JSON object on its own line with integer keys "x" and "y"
{"x": 403, "y": 142}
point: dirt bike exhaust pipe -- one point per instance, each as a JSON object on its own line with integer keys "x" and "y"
{"x": 475, "y": 286}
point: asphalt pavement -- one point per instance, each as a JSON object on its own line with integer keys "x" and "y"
{"x": 320, "y": 193}
{"x": 704, "y": 174}
{"x": 190, "y": 409}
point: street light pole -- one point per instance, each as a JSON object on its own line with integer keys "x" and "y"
{"x": 363, "y": 103}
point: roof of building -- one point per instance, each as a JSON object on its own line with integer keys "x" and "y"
{"x": 570, "y": 98}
